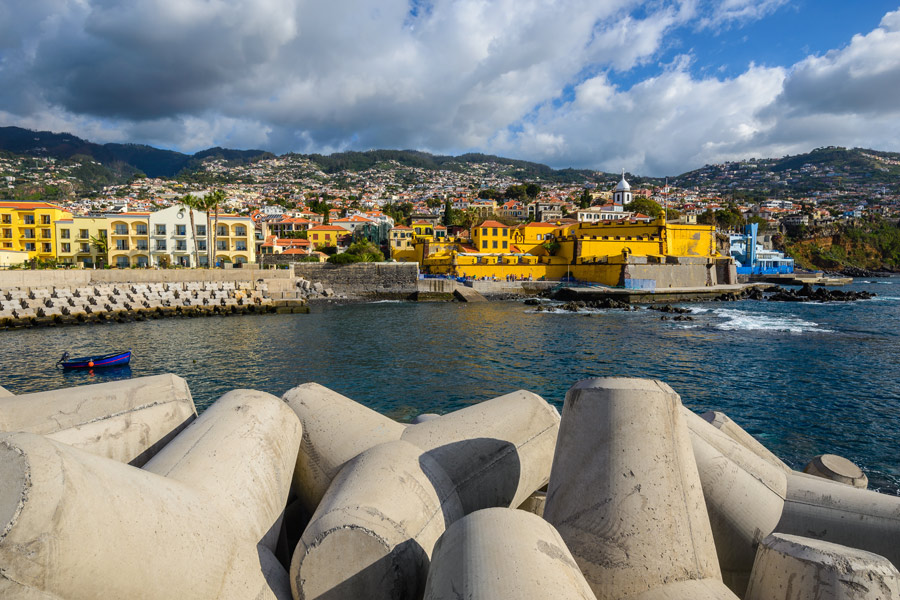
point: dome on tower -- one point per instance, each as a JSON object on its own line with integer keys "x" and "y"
{"x": 623, "y": 185}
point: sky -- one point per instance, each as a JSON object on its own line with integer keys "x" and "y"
{"x": 657, "y": 88}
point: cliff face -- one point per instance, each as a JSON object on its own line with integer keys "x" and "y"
{"x": 875, "y": 249}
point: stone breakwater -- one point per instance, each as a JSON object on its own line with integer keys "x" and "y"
{"x": 120, "y": 490}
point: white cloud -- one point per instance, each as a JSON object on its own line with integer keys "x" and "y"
{"x": 527, "y": 78}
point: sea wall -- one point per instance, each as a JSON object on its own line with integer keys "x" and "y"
{"x": 395, "y": 511}
{"x": 363, "y": 279}
{"x": 50, "y": 278}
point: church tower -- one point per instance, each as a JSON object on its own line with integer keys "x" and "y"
{"x": 622, "y": 195}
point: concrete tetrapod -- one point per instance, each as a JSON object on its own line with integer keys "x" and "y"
{"x": 5, "y": 393}
{"x": 789, "y": 567}
{"x": 335, "y": 429}
{"x": 837, "y": 468}
{"x": 374, "y": 531}
{"x": 159, "y": 536}
{"x": 723, "y": 423}
{"x": 128, "y": 420}
{"x": 744, "y": 496}
{"x": 504, "y": 553}
{"x": 625, "y": 495}
{"x": 241, "y": 454}
{"x": 834, "y": 512}
{"x": 496, "y": 452}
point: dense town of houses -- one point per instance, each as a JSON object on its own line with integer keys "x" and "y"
{"x": 269, "y": 206}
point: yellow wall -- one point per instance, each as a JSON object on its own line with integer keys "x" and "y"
{"x": 137, "y": 251}
{"x": 491, "y": 238}
{"x": 239, "y": 244}
{"x": 77, "y": 232}
{"x": 37, "y": 237}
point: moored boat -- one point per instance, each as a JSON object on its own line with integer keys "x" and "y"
{"x": 116, "y": 359}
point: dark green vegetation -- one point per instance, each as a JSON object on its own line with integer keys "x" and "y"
{"x": 361, "y": 251}
{"x": 120, "y": 160}
{"x": 873, "y": 244}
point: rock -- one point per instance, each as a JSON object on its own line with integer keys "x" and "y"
{"x": 532, "y": 302}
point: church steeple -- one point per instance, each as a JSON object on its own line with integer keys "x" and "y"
{"x": 622, "y": 195}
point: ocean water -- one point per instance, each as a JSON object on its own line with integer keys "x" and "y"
{"x": 805, "y": 379}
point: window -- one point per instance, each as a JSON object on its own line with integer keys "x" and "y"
{"x": 241, "y": 246}
{"x": 494, "y": 231}
{"x": 46, "y": 247}
{"x": 122, "y": 262}
{"x": 161, "y": 244}
{"x": 83, "y": 234}
{"x": 30, "y": 247}
{"x": 240, "y": 231}
{"x": 221, "y": 245}
{"x": 29, "y": 233}
{"x": 540, "y": 236}
{"x": 140, "y": 229}
{"x": 121, "y": 244}
{"x": 484, "y": 244}
{"x": 7, "y": 233}
{"x": 66, "y": 247}
{"x": 7, "y": 219}
{"x": 201, "y": 245}
{"x": 180, "y": 230}
{"x": 201, "y": 229}
{"x": 64, "y": 234}
{"x": 45, "y": 219}
{"x": 504, "y": 244}
{"x": 160, "y": 229}
{"x": 142, "y": 245}
{"x": 180, "y": 246}
{"x": 315, "y": 236}
{"x": 29, "y": 219}
{"x": 45, "y": 233}
{"x": 495, "y": 243}
{"x": 121, "y": 229}
{"x": 484, "y": 231}
{"x": 222, "y": 231}
{"x": 85, "y": 248}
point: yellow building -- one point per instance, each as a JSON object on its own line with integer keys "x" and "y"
{"x": 491, "y": 236}
{"x": 30, "y": 227}
{"x": 325, "y": 235}
{"x": 234, "y": 239}
{"x": 531, "y": 237}
{"x": 400, "y": 239}
{"x": 129, "y": 239}
{"x": 75, "y": 241}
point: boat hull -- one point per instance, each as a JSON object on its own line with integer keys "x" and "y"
{"x": 98, "y": 362}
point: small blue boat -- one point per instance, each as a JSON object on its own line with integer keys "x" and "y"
{"x": 117, "y": 359}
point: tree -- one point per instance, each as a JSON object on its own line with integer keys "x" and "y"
{"x": 448, "y": 214}
{"x": 192, "y": 203}
{"x": 532, "y": 190}
{"x": 645, "y": 206}
{"x": 101, "y": 245}
{"x": 216, "y": 198}
{"x": 584, "y": 201}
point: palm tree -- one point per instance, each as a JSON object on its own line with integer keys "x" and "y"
{"x": 213, "y": 201}
{"x": 101, "y": 245}
{"x": 192, "y": 203}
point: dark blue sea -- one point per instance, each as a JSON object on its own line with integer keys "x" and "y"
{"x": 806, "y": 379}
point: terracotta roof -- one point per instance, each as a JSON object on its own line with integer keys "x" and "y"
{"x": 29, "y": 205}
{"x": 327, "y": 228}
{"x": 494, "y": 224}
{"x": 538, "y": 224}
{"x": 401, "y": 227}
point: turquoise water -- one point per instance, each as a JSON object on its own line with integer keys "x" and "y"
{"x": 805, "y": 378}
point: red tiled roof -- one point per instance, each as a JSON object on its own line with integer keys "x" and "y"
{"x": 494, "y": 224}
{"x": 29, "y": 205}
{"x": 327, "y": 228}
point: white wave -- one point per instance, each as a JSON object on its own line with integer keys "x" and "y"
{"x": 386, "y": 301}
{"x": 739, "y": 320}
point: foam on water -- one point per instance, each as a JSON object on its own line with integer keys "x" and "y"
{"x": 740, "y": 320}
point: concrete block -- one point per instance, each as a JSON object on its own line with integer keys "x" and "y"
{"x": 424, "y": 417}
{"x": 241, "y": 453}
{"x": 535, "y": 503}
{"x": 127, "y": 421}
{"x": 496, "y": 452}
{"x": 837, "y": 468}
{"x": 695, "y": 589}
{"x": 335, "y": 429}
{"x": 744, "y": 496}
{"x": 789, "y": 567}
{"x": 374, "y": 530}
{"x": 4, "y": 393}
{"x": 723, "y": 423}
{"x": 624, "y": 490}
{"x": 504, "y": 553}
{"x": 79, "y": 526}
{"x": 833, "y": 512}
